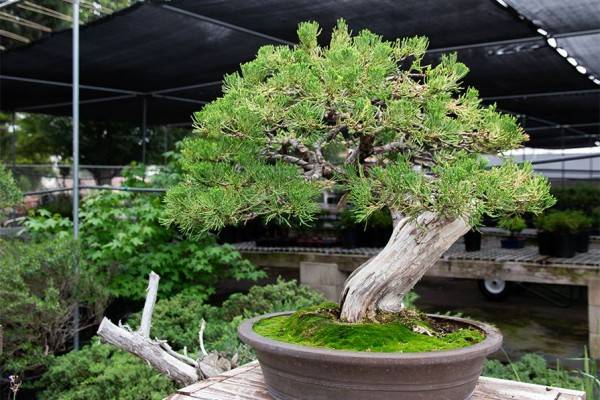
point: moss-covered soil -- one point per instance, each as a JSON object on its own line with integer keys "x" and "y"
{"x": 409, "y": 331}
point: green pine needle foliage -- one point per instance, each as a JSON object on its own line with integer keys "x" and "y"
{"x": 362, "y": 114}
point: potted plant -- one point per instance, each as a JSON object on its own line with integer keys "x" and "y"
{"x": 595, "y": 215}
{"x": 582, "y": 224}
{"x": 513, "y": 224}
{"x": 411, "y": 139}
{"x": 560, "y": 231}
{"x": 472, "y": 240}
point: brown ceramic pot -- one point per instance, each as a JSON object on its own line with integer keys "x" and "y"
{"x": 294, "y": 372}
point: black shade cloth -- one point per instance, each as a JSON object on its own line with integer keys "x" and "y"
{"x": 149, "y": 50}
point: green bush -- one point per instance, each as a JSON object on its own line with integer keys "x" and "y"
{"x": 583, "y": 197}
{"x": 513, "y": 224}
{"x": 38, "y": 292}
{"x": 281, "y": 296}
{"x": 532, "y": 368}
{"x": 9, "y": 193}
{"x": 101, "y": 372}
{"x": 123, "y": 240}
{"x": 177, "y": 319}
{"x": 569, "y": 221}
{"x": 595, "y": 216}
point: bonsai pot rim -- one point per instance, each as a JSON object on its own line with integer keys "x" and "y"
{"x": 491, "y": 343}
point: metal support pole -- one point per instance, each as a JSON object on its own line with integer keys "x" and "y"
{"x": 13, "y": 138}
{"x": 144, "y": 127}
{"x": 562, "y": 164}
{"x": 75, "y": 171}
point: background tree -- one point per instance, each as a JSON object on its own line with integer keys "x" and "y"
{"x": 410, "y": 140}
{"x": 101, "y": 142}
{"x": 10, "y": 195}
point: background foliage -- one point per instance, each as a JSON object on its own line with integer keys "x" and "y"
{"x": 10, "y": 195}
{"x": 39, "y": 289}
{"x": 101, "y": 372}
{"x": 123, "y": 240}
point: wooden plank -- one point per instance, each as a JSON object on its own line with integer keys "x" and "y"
{"x": 499, "y": 389}
{"x": 246, "y": 383}
{"x": 521, "y": 265}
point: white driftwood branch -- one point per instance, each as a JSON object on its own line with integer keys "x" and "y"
{"x": 152, "y": 291}
{"x": 178, "y": 367}
{"x": 148, "y": 350}
{"x": 201, "y": 337}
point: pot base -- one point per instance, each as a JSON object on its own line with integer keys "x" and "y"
{"x": 294, "y": 372}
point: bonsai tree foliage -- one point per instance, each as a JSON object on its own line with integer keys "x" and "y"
{"x": 365, "y": 116}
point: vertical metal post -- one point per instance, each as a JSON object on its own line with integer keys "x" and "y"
{"x": 562, "y": 164}
{"x": 144, "y": 128}
{"x": 75, "y": 170}
{"x": 13, "y": 139}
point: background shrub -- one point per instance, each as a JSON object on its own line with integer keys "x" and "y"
{"x": 123, "y": 240}
{"x": 533, "y": 368}
{"x": 100, "y": 372}
{"x": 39, "y": 289}
{"x": 178, "y": 319}
{"x": 9, "y": 193}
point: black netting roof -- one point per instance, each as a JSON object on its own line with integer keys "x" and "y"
{"x": 173, "y": 54}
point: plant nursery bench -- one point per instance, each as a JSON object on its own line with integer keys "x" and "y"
{"x": 246, "y": 383}
{"x": 326, "y": 269}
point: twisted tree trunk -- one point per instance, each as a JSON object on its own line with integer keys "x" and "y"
{"x": 414, "y": 247}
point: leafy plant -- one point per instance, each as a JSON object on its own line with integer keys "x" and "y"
{"x": 123, "y": 240}
{"x": 533, "y": 368}
{"x": 39, "y": 290}
{"x": 513, "y": 224}
{"x": 10, "y": 194}
{"x": 584, "y": 197}
{"x": 564, "y": 221}
{"x": 99, "y": 372}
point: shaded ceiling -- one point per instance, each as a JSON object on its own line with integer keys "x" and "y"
{"x": 172, "y": 55}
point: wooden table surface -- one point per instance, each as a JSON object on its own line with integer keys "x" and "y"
{"x": 246, "y": 383}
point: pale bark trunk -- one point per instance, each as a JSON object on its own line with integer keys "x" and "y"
{"x": 149, "y": 350}
{"x": 157, "y": 353}
{"x": 414, "y": 247}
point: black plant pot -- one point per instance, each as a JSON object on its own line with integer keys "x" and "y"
{"x": 544, "y": 240}
{"x": 512, "y": 243}
{"x": 472, "y": 241}
{"x": 563, "y": 245}
{"x": 582, "y": 242}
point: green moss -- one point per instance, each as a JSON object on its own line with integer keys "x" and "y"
{"x": 320, "y": 327}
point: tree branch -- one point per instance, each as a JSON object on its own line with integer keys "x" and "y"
{"x": 389, "y": 147}
{"x": 149, "y": 304}
{"x": 157, "y": 353}
{"x": 148, "y": 350}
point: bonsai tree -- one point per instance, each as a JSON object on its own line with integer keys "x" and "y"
{"x": 367, "y": 117}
